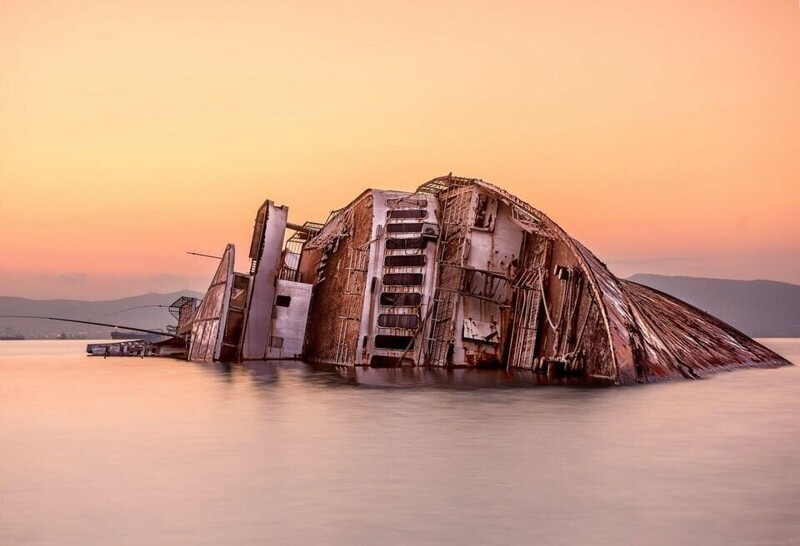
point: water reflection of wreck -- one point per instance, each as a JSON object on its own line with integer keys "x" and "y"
{"x": 459, "y": 273}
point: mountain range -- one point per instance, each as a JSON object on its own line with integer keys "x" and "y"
{"x": 146, "y": 311}
{"x": 757, "y": 308}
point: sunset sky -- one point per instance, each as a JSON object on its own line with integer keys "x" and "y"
{"x": 664, "y": 135}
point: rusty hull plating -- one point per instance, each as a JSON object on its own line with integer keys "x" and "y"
{"x": 459, "y": 273}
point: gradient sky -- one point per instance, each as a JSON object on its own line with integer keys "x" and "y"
{"x": 665, "y": 135}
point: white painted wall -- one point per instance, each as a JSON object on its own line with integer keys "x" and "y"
{"x": 289, "y": 323}
{"x": 258, "y": 321}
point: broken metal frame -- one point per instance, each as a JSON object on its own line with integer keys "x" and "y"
{"x": 454, "y": 212}
{"x": 294, "y": 246}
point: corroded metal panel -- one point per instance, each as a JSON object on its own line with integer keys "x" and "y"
{"x": 678, "y": 340}
{"x": 208, "y": 324}
{"x": 337, "y": 300}
{"x": 618, "y": 317}
{"x": 485, "y": 332}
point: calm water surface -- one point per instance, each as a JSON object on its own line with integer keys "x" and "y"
{"x": 152, "y": 451}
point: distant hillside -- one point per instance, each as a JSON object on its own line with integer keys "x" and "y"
{"x": 136, "y": 311}
{"x": 757, "y": 308}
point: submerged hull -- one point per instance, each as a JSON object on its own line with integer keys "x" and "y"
{"x": 459, "y": 274}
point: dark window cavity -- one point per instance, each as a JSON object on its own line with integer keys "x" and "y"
{"x": 405, "y": 244}
{"x": 385, "y": 361}
{"x": 485, "y": 211}
{"x": 404, "y": 228}
{"x": 403, "y": 279}
{"x": 401, "y": 299}
{"x": 408, "y": 202}
{"x": 398, "y": 321}
{"x": 407, "y": 213}
{"x": 283, "y": 301}
{"x": 394, "y": 342}
{"x": 404, "y": 260}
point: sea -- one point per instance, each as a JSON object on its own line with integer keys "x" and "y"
{"x": 150, "y": 451}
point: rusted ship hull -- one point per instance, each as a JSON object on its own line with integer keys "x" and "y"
{"x": 459, "y": 273}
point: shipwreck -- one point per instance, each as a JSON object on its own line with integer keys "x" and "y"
{"x": 458, "y": 273}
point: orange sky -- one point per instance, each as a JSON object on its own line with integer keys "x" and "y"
{"x": 665, "y": 135}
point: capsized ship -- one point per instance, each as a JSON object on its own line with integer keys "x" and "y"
{"x": 459, "y": 273}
